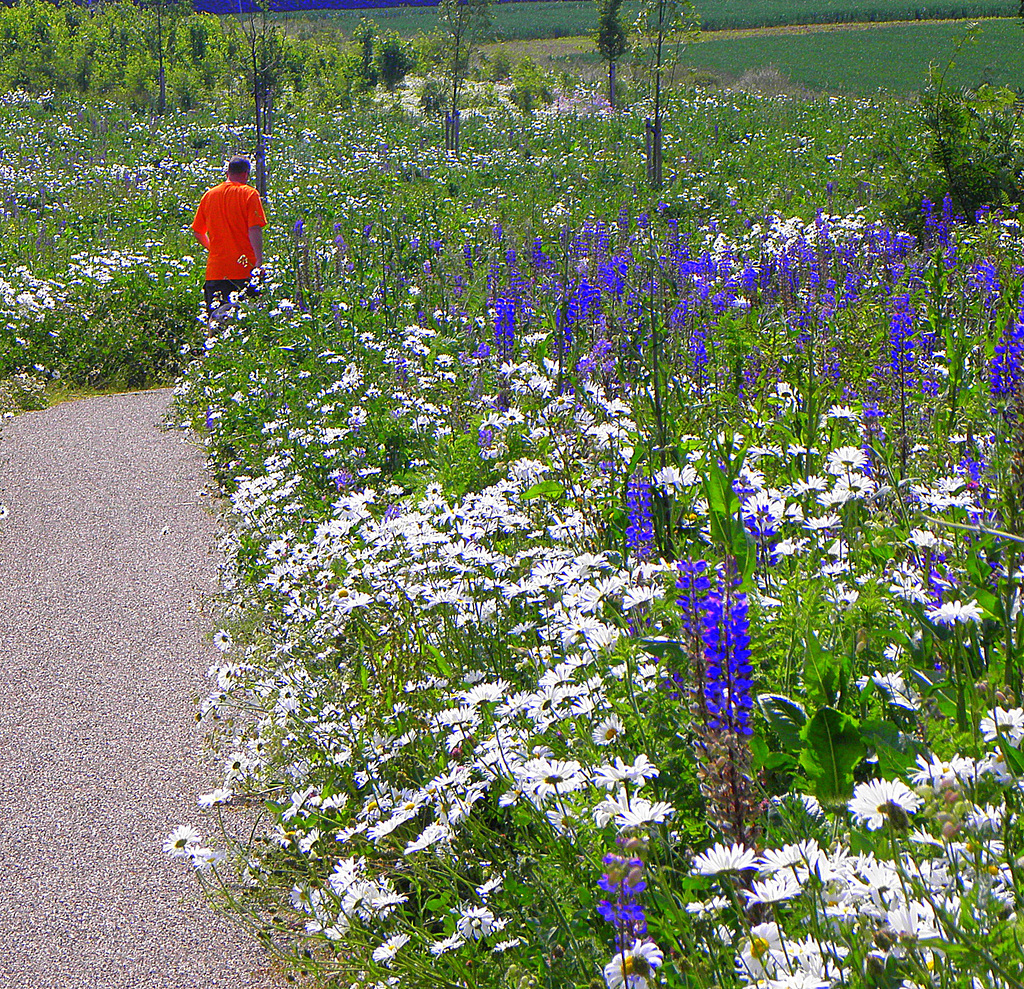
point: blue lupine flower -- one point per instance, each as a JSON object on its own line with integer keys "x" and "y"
{"x": 640, "y": 534}
{"x": 612, "y": 275}
{"x": 1004, "y": 371}
{"x": 694, "y": 584}
{"x": 582, "y": 303}
{"x": 541, "y": 262}
{"x": 901, "y": 335}
{"x": 985, "y": 279}
{"x": 342, "y": 478}
{"x": 971, "y": 470}
{"x": 727, "y": 651}
{"x": 505, "y": 325}
{"x": 624, "y": 879}
{"x": 931, "y": 224}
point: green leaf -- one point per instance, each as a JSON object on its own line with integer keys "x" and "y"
{"x": 444, "y": 667}
{"x": 551, "y": 490}
{"x": 667, "y": 649}
{"x": 832, "y": 750}
{"x": 786, "y": 717}
{"x": 896, "y": 751}
{"x": 825, "y": 674}
{"x": 1014, "y": 759}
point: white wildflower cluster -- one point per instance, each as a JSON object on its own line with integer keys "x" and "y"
{"x": 441, "y": 655}
{"x": 950, "y": 861}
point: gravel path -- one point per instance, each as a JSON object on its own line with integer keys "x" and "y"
{"x": 105, "y": 560}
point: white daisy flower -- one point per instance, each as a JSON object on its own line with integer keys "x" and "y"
{"x": 608, "y": 730}
{"x": 475, "y": 923}
{"x": 874, "y": 802}
{"x": 451, "y": 943}
{"x": 779, "y": 888}
{"x": 180, "y": 842}
{"x": 1009, "y": 724}
{"x": 633, "y": 968}
{"x": 956, "y": 612}
{"x": 385, "y": 953}
{"x": 724, "y": 858}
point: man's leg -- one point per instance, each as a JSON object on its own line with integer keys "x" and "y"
{"x": 217, "y": 293}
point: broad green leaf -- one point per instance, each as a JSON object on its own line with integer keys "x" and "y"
{"x": 786, "y": 717}
{"x": 832, "y": 750}
{"x": 825, "y": 674}
{"x": 667, "y": 649}
{"x": 551, "y": 490}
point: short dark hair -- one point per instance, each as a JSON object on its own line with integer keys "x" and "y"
{"x": 239, "y": 166}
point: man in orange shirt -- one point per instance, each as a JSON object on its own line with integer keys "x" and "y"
{"x": 229, "y": 224}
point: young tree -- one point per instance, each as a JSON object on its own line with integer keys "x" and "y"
{"x": 664, "y": 28}
{"x": 611, "y": 39}
{"x": 461, "y": 23}
{"x": 394, "y": 60}
{"x": 365, "y": 37}
{"x": 166, "y": 14}
{"x": 265, "y": 57}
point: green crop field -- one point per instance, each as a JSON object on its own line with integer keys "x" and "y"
{"x": 565, "y": 18}
{"x": 893, "y": 57}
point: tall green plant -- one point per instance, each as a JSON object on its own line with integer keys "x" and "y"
{"x": 974, "y": 137}
{"x": 663, "y": 30}
{"x": 461, "y": 22}
{"x": 612, "y": 41}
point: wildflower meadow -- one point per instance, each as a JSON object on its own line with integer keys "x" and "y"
{"x": 620, "y": 588}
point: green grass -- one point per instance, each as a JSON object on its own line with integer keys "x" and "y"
{"x": 567, "y": 18}
{"x": 890, "y": 57}
{"x": 893, "y": 57}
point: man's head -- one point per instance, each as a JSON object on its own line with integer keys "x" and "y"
{"x": 238, "y": 170}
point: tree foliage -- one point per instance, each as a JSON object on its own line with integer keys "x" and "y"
{"x": 975, "y": 141}
{"x": 612, "y": 40}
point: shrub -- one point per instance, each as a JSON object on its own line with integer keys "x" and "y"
{"x": 497, "y": 68}
{"x": 531, "y": 85}
{"x": 434, "y": 97}
{"x": 394, "y": 60}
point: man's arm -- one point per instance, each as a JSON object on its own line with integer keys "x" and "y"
{"x": 199, "y": 230}
{"x": 256, "y": 240}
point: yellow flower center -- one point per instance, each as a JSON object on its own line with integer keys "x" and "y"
{"x": 759, "y": 947}
{"x": 635, "y": 965}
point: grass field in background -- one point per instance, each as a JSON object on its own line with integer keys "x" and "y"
{"x": 892, "y": 57}
{"x": 854, "y": 59}
{"x": 565, "y": 18}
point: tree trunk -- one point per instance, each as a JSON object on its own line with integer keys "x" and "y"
{"x": 611, "y": 83}
{"x": 161, "y": 106}
{"x": 261, "y": 152}
{"x": 652, "y": 148}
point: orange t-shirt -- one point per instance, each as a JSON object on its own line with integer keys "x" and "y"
{"x": 225, "y": 214}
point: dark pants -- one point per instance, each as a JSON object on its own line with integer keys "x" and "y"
{"x": 218, "y": 292}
